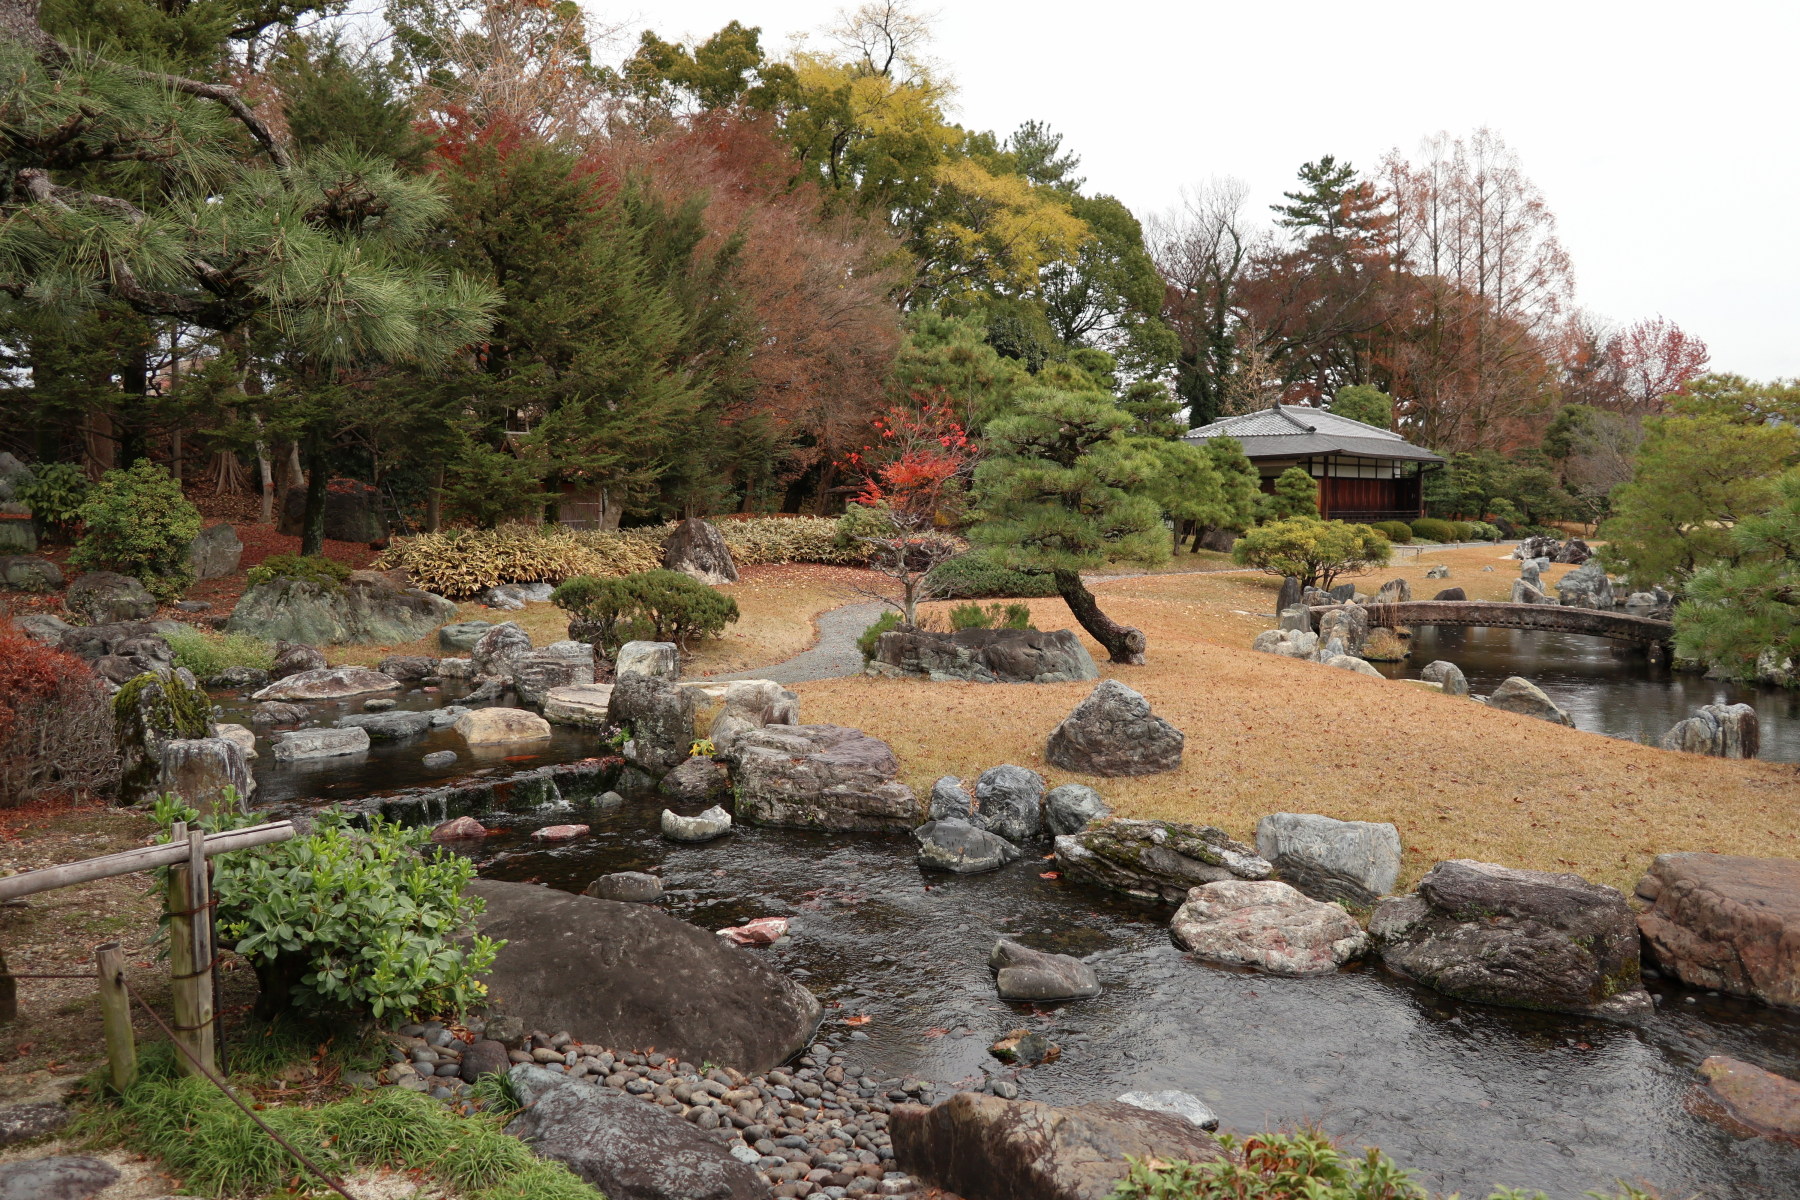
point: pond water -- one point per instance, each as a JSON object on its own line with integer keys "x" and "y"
{"x": 1608, "y": 687}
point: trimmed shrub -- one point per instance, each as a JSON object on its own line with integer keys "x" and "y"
{"x": 56, "y": 726}
{"x": 138, "y": 523}
{"x": 1431, "y": 529}
{"x": 994, "y": 616}
{"x": 306, "y": 568}
{"x": 1397, "y": 532}
{"x": 885, "y": 623}
{"x": 207, "y": 653}
{"x": 1481, "y": 531}
{"x": 1313, "y": 551}
{"x": 975, "y": 575}
{"x": 659, "y": 606}
{"x": 55, "y": 495}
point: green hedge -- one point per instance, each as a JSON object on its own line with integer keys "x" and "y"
{"x": 975, "y": 576}
{"x": 1398, "y": 532}
{"x": 1433, "y": 530}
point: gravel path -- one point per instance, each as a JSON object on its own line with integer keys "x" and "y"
{"x": 833, "y": 656}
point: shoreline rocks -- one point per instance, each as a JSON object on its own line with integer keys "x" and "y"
{"x": 501, "y": 726}
{"x": 1746, "y": 1100}
{"x": 1520, "y": 695}
{"x": 819, "y": 777}
{"x": 1267, "y": 925}
{"x": 328, "y": 683}
{"x": 1038, "y": 976}
{"x": 1354, "y": 861}
{"x": 715, "y": 822}
{"x": 1717, "y": 730}
{"x": 1725, "y": 922}
{"x": 1156, "y": 860}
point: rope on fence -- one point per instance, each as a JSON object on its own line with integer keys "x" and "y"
{"x": 330, "y": 1180}
{"x": 25, "y": 975}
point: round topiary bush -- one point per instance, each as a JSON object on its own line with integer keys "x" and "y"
{"x": 1433, "y": 530}
{"x": 1397, "y": 532}
{"x": 139, "y": 523}
{"x": 660, "y": 606}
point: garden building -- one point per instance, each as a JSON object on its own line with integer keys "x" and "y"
{"x": 1363, "y": 473}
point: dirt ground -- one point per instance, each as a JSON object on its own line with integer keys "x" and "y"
{"x": 1268, "y": 734}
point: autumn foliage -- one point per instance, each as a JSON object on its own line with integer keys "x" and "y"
{"x": 56, "y": 733}
{"x": 919, "y": 463}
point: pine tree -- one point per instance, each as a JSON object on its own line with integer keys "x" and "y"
{"x": 1736, "y": 616}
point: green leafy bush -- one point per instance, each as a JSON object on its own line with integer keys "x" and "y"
{"x": 349, "y": 919}
{"x": 1431, "y": 529}
{"x": 975, "y": 575}
{"x": 305, "y": 568}
{"x": 1397, "y": 532}
{"x": 207, "y": 653}
{"x": 1481, "y": 531}
{"x": 994, "y": 616}
{"x": 885, "y": 623}
{"x": 660, "y": 606}
{"x": 55, "y": 496}
{"x": 862, "y": 521}
{"x": 138, "y": 523}
{"x": 1313, "y": 551}
{"x": 1296, "y": 494}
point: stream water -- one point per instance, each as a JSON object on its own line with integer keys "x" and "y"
{"x": 1472, "y": 1097}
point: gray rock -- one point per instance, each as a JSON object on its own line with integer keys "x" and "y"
{"x": 578, "y": 704}
{"x": 27, "y": 1122}
{"x": 44, "y": 628}
{"x": 1349, "y": 662}
{"x": 1517, "y": 695}
{"x": 558, "y": 665}
{"x": 1574, "y": 551}
{"x": 368, "y": 608}
{"x": 1112, "y": 733}
{"x": 106, "y": 598}
{"x": 1354, "y": 861}
{"x": 952, "y": 844}
{"x": 1156, "y": 860}
{"x": 462, "y": 635}
{"x": 276, "y": 713}
{"x": 215, "y": 552}
{"x": 1185, "y": 1105}
{"x": 291, "y": 658}
{"x": 1718, "y": 730}
{"x": 1267, "y": 925}
{"x": 330, "y": 683}
{"x": 396, "y": 726}
{"x": 499, "y": 651}
{"x": 715, "y": 822}
{"x": 443, "y": 718}
{"x": 984, "y": 656}
{"x": 1297, "y": 619}
{"x": 439, "y": 759}
{"x": 1068, "y": 809}
{"x": 238, "y": 678}
{"x": 1448, "y": 674}
{"x": 1438, "y": 572}
{"x": 1349, "y": 624}
{"x": 1343, "y": 593}
{"x": 660, "y": 659}
{"x": 14, "y": 475}
{"x": 580, "y": 964}
{"x": 1525, "y": 592}
{"x": 1394, "y": 591}
{"x": 695, "y": 548}
{"x": 660, "y": 717}
{"x": 122, "y": 650}
{"x": 320, "y": 743}
{"x": 819, "y": 777}
{"x": 59, "y": 1178}
{"x": 1586, "y": 586}
{"x": 1453, "y": 594}
{"x": 502, "y": 596}
{"x": 948, "y": 799}
{"x": 626, "y": 887}
{"x": 1528, "y": 939}
{"x": 1036, "y": 975}
{"x": 695, "y": 781}
{"x": 408, "y": 668}
{"x": 1289, "y": 643}
{"x": 484, "y": 1056}
{"x": 753, "y": 704}
{"x": 626, "y": 1149}
{"x": 1314, "y": 597}
{"x": 201, "y": 769}
{"x": 29, "y": 573}
{"x": 1290, "y": 594}
{"x": 1009, "y": 801}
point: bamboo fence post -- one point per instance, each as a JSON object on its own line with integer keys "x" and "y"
{"x": 190, "y": 953}
{"x": 115, "y": 1015}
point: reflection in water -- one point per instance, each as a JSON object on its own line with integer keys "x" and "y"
{"x": 1607, "y": 687}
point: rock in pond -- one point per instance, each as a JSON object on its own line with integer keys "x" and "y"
{"x": 57, "y": 1178}
{"x": 106, "y": 598}
{"x": 1527, "y": 939}
{"x": 1022, "y": 973}
{"x": 392, "y": 726}
{"x": 952, "y": 844}
{"x": 462, "y": 635}
{"x": 1156, "y": 860}
{"x": 630, "y": 975}
{"x": 950, "y": 799}
{"x": 458, "y": 830}
{"x": 559, "y": 833}
{"x": 437, "y": 760}
{"x": 764, "y": 931}
{"x": 329, "y": 683}
{"x": 994, "y": 1149}
{"x": 239, "y": 735}
{"x": 697, "y": 549}
{"x": 626, "y": 887}
{"x": 1448, "y": 675}
{"x": 1113, "y": 732}
{"x": 500, "y": 649}
{"x": 1267, "y": 925}
{"x": 1726, "y": 922}
{"x": 408, "y": 668}
{"x": 626, "y": 1149}
{"x": 1068, "y": 809}
{"x": 200, "y": 770}
{"x": 292, "y": 658}
{"x": 820, "y": 777}
{"x": 276, "y": 713}
{"x": 1747, "y": 1100}
{"x": 578, "y": 704}
{"x": 660, "y": 715}
{"x": 1518, "y": 695}
{"x": 1717, "y": 730}
{"x": 715, "y": 822}
{"x": 558, "y": 665}
{"x": 1009, "y": 802}
{"x": 695, "y": 781}
{"x": 1185, "y": 1105}
{"x": 984, "y": 656}
{"x": 500, "y": 726}
{"x": 320, "y": 743}
{"x": 1355, "y": 861}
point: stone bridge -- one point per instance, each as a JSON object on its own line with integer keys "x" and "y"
{"x": 1502, "y": 615}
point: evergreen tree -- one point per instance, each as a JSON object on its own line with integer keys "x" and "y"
{"x": 1362, "y": 402}
{"x": 1296, "y": 494}
{"x": 1734, "y": 615}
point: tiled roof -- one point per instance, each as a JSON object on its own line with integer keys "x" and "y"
{"x": 1288, "y": 430}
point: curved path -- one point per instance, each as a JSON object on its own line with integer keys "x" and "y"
{"x": 833, "y": 656}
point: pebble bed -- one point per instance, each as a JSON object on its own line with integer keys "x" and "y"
{"x": 816, "y": 1127}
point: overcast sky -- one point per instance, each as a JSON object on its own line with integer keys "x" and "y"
{"x": 1662, "y": 136}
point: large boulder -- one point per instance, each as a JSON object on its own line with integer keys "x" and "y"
{"x": 1009, "y": 802}
{"x": 352, "y": 512}
{"x": 319, "y": 743}
{"x": 462, "y": 635}
{"x": 399, "y": 725}
{"x": 629, "y": 975}
{"x": 698, "y": 780}
{"x": 578, "y": 704}
{"x": 1586, "y": 587}
{"x": 1573, "y": 551}
{"x": 696, "y": 548}
{"x": 1726, "y": 923}
{"x": 1289, "y": 643}
{"x": 500, "y": 650}
{"x": 1447, "y": 675}
{"x": 207, "y": 773}
{"x": 661, "y": 659}
{"x": 1453, "y": 594}
{"x": 749, "y": 704}
{"x": 660, "y": 717}
{"x": 560, "y": 664}
{"x": 1354, "y": 861}
{"x": 985, "y": 656}
{"x": 819, "y": 777}
{"x": 1719, "y": 730}
{"x": 501, "y": 726}
{"x": 1519, "y": 695}
{"x": 1747, "y": 1100}
{"x": 1529, "y": 939}
{"x": 1037, "y": 976}
{"x": 626, "y": 1149}
{"x": 29, "y": 573}
{"x": 987, "y": 1148}
{"x": 46, "y": 629}
{"x": 1394, "y": 591}
{"x": 149, "y": 712}
{"x": 1068, "y": 809}
{"x": 122, "y": 650}
{"x": 329, "y": 683}
{"x": 1113, "y": 732}
{"x": 368, "y": 608}
{"x": 1525, "y": 591}
{"x": 291, "y": 658}
{"x": 952, "y": 844}
{"x": 408, "y": 668}
{"x": 215, "y": 552}
{"x": 1267, "y": 925}
{"x": 106, "y": 598}
{"x": 1156, "y": 860}
{"x": 1349, "y": 624}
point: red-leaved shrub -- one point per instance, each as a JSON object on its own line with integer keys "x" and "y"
{"x": 56, "y": 726}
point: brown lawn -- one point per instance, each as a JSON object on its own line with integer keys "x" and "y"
{"x": 1267, "y": 734}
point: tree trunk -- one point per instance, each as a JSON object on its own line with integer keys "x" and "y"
{"x": 312, "y": 524}
{"x": 434, "y": 502}
{"x": 1123, "y": 643}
